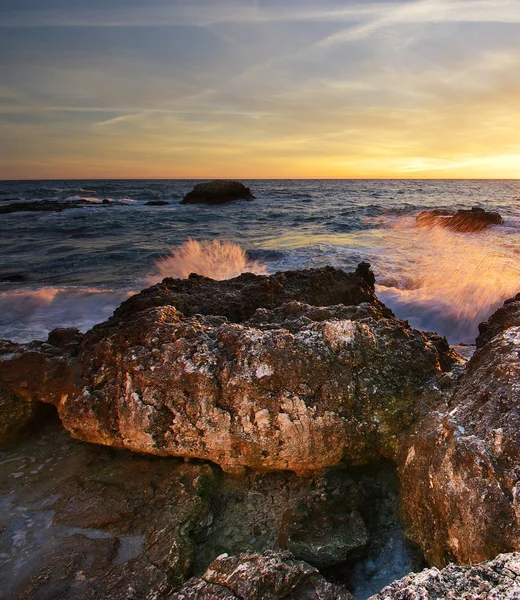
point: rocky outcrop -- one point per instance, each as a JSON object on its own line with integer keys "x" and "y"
{"x": 276, "y": 384}
{"x": 53, "y": 205}
{"x": 459, "y": 469}
{"x": 217, "y": 192}
{"x": 475, "y": 219}
{"x": 495, "y": 580}
{"x": 237, "y": 299}
{"x": 268, "y": 576}
{"x": 294, "y": 388}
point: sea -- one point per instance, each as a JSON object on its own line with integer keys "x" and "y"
{"x": 73, "y": 268}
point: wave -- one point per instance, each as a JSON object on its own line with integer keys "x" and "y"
{"x": 27, "y": 314}
{"x": 452, "y": 283}
{"x": 215, "y": 259}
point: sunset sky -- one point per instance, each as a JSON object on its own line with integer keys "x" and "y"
{"x": 259, "y": 88}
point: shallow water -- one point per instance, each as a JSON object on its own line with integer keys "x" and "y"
{"x": 72, "y": 268}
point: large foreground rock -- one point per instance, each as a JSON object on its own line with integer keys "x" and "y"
{"x": 269, "y": 576}
{"x": 475, "y": 219}
{"x": 495, "y": 580}
{"x": 460, "y": 468}
{"x": 217, "y": 192}
{"x": 297, "y": 387}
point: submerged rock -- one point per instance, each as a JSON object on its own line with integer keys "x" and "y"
{"x": 495, "y": 580}
{"x": 268, "y": 576}
{"x": 476, "y": 219}
{"x": 217, "y": 192}
{"x": 459, "y": 470}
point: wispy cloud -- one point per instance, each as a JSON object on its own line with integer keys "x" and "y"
{"x": 370, "y": 15}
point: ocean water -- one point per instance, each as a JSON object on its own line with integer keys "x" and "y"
{"x": 73, "y": 268}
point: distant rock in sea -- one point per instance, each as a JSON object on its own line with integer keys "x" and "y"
{"x": 218, "y": 192}
{"x": 157, "y": 203}
{"x": 476, "y": 219}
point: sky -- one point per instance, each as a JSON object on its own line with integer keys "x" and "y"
{"x": 259, "y": 89}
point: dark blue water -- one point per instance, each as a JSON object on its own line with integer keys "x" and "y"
{"x": 72, "y": 268}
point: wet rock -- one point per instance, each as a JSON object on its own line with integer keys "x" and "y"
{"x": 42, "y": 206}
{"x": 15, "y": 415}
{"x": 83, "y": 522}
{"x": 459, "y": 469}
{"x": 13, "y": 277}
{"x": 495, "y": 580}
{"x": 268, "y": 576}
{"x": 157, "y": 203}
{"x": 237, "y": 299}
{"x": 217, "y": 192}
{"x": 325, "y": 528}
{"x": 505, "y": 317}
{"x": 475, "y": 219}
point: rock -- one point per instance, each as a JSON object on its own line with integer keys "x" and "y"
{"x": 476, "y": 219}
{"x": 16, "y": 415}
{"x": 325, "y": 528}
{"x": 495, "y": 580}
{"x": 42, "y": 206}
{"x": 459, "y": 469}
{"x": 505, "y": 317}
{"x": 84, "y": 522}
{"x": 157, "y": 203}
{"x": 217, "y": 192}
{"x": 294, "y": 388}
{"x": 268, "y": 576}
{"x": 13, "y": 277}
{"x": 81, "y": 521}
{"x": 237, "y": 299}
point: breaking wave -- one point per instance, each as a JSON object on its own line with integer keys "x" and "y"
{"x": 451, "y": 283}
{"x": 215, "y": 259}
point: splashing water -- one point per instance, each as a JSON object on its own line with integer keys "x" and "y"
{"x": 455, "y": 281}
{"x": 216, "y": 259}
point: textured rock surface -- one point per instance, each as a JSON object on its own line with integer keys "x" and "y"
{"x": 475, "y": 219}
{"x": 459, "y": 471}
{"x": 83, "y": 522}
{"x": 268, "y": 576}
{"x": 15, "y": 415}
{"x": 495, "y": 580}
{"x": 217, "y": 192}
{"x": 237, "y": 299}
{"x": 296, "y": 388}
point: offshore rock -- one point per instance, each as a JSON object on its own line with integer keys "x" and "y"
{"x": 237, "y": 299}
{"x": 217, "y": 192}
{"x": 459, "y": 470}
{"x": 294, "y": 388}
{"x": 495, "y": 580}
{"x": 476, "y": 219}
{"x": 268, "y": 576}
